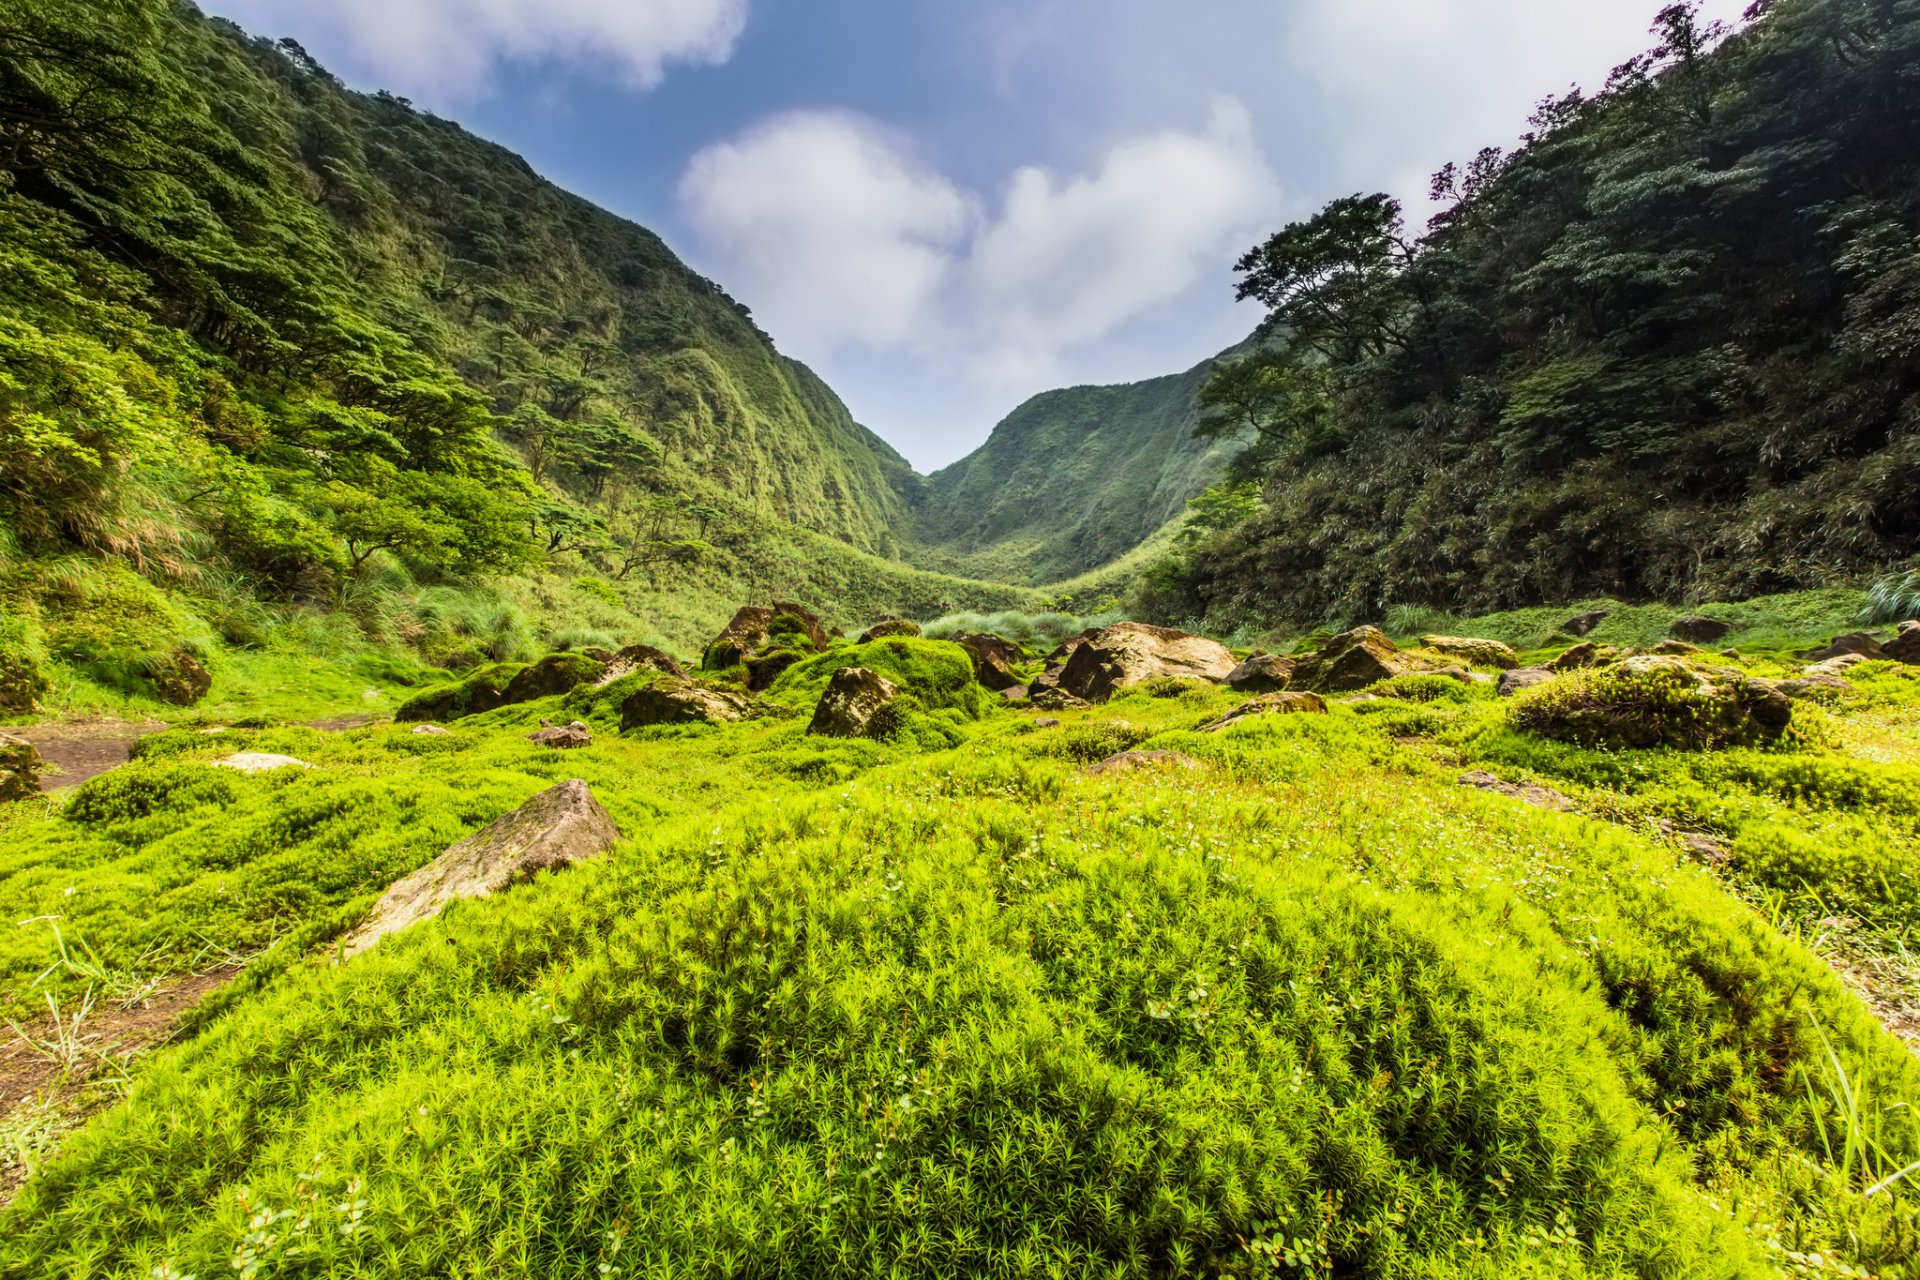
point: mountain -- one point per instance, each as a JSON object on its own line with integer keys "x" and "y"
{"x": 1070, "y": 481}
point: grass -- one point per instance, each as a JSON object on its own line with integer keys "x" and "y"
{"x": 1314, "y": 1009}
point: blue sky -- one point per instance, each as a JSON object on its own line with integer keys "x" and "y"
{"x": 945, "y": 208}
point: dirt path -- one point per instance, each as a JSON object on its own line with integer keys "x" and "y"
{"x": 77, "y": 750}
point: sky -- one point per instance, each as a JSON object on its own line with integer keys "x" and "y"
{"x": 946, "y": 208}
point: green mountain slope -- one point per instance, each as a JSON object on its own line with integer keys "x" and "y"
{"x": 1070, "y": 481}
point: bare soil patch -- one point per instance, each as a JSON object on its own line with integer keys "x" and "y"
{"x": 78, "y": 750}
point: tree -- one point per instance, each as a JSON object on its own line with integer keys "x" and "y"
{"x": 545, "y": 441}
{"x": 1336, "y": 282}
{"x": 1279, "y": 399}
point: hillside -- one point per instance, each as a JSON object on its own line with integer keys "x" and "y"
{"x": 1071, "y": 481}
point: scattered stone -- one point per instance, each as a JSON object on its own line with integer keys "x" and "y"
{"x": 1138, "y": 761}
{"x": 1015, "y": 695}
{"x": 1352, "y": 661}
{"x": 636, "y": 658}
{"x": 259, "y": 762}
{"x": 1675, "y": 648}
{"x": 678, "y": 700}
{"x": 1262, "y": 673}
{"x": 432, "y": 731}
{"x": 890, "y": 627}
{"x": 1905, "y": 647}
{"x": 993, "y": 660}
{"x": 1834, "y": 666}
{"x": 1857, "y": 643}
{"x": 179, "y": 680}
{"x": 1058, "y": 700}
{"x": 1704, "y": 848}
{"x": 1586, "y": 622}
{"x": 1698, "y": 629}
{"x": 756, "y": 628}
{"x": 1652, "y": 701}
{"x": 1285, "y": 703}
{"x": 19, "y": 768}
{"x": 569, "y": 737}
{"x": 1512, "y": 682}
{"x": 1537, "y": 796}
{"x": 551, "y": 676}
{"x": 858, "y": 703}
{"x": 1474, "y": 652}
{"x": 1046, "y": 722}
{"x": 1577, "y": 658}
{"x": 552, "y": 831}
{"x": 1127, "y": 653}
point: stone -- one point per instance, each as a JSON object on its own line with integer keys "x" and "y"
{"x": 1474, "y": 651}
{"x": 756, "y": 628}
{"x": 569, "y": 737}
{"x": 890, "y": 628}
{"x": 1262, "y": 673}
{"x": 1651, "y": 701}
{"x": 259, "y": 762}
{"x": 1823, "y": 687}
{"x": 480, "y": 692}
{"x": 1057, "y": 699}
{"x": 21, "y": 681}
{"x": 993, "y": 660}
{"x": 858, "y": 703}
{"x": 1586, "y": 622}
{"x": 636, "y": 658}
{"x": 1512, "y": 682}
{"x": 1858, "y": 643}
{"x": 1905, "y": 647}
{"x": 432, "y": 731}
{"x": 551, "y": 676}
{"x": 679, "y": 700}
{"x": 1353, "y": 660}
{"x": 20, "y": 765}
{"x": 556, "y": 829}
{"x": 1577, "y": 658}
{"x": 1537, "y": 796}
{"x": 1127, "y": 653}
{"x": 1698, "y": 629}
{"x": 1139, "y": 761}
{"x": 1046, "y": 722}
{"x": 1836, "y": 665}
{"x": 1675, "y": 648}
{"x": 1064, "y": 650}
{"x": 1015, "y": 695}
{"x": 179, "y": 680}
{"x": 1286, "y": 703}
{"x": 764, "y": 670}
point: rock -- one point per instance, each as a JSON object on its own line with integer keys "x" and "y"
{"x": 993, "y": 660}
{"x": 259, "y": 762}
{"x": 1823, "y": 687}
{"x": 1064, "y": 650}
{"x": 1046, "y": 722}
{"x": 1057, "y": 699}
{"x": 891, "y": 627}
{"x": 1137, "y": 761}
{"x": 1474, "y": 652}
{"x": 179, "y": 680}
{"x": 1905, "y": 647}
{"x": 1262, "y": 673}
{"x": 858, "y": 703}
{"x": 1651, "y": 701}
{"x": 1352, "y": 661}
{"x": 678, "y": 700}
{"x": 755, "y": 628}
{"x": 21, "y": 680}
{"x": 1698, "y": 629}
{"x": 1704, "y": 848}
{"x": 1512, "y": 682}
{"x": 1015, "y": 695}
{"x": 1586, "y": 622}
{"x": 1834, "y": 666}
{"x": 1127, "y": 653}
{"x": 1537, "y": 796}
{"x": 1294, "y": 703}
{"x": 551, "y": 676}
{"x": 552, "y": 831}
{"x": 1859, "y": 643}
{"x": 1675, "y": 648}
{"x": 636, "y": 658}
{"x": 1048, "y": 679}
{"x": 19, "y": 768}
{"x": 1577, "y": 658}
{"x": 768, "y": 667}
{"x": 568, "y": 737}
{"x": 432, "y": 731}
{"x": 480, "y": 692}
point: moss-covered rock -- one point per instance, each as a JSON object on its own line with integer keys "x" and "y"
{"x": 484, "y": 690}
{"x": 858, "y": 703}
{"x": 23, "y": 651}
{"x": 1352, "y": 661}
{"x": 552, "y": 676}
{"x": 1655, "y": 702}
{"x": 19, "y": 768}
{"x": 671, "y": 700}
{"x": 1474, "y": 652}
{"x": 889, "y": 629}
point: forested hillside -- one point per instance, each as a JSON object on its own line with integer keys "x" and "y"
{"x": 1070, "y": 481}
{"x": 1669, "y": 348}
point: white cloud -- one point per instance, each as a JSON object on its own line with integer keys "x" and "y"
{"x": 449, "y": 49}
{"x": 839, "y": 236}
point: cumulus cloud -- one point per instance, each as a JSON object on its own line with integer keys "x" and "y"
{"x": 840, "y": 235}
{"x": 450, "y": 48}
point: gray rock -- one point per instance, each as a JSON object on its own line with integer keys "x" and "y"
{"x": 432, "y": 731}
{"x": 993, "y": 659}
{"x": 568, "y": 737}
{"x": 1698, "y": 629}
{"x": 1294, "y": 703}
{"x": 554, "y": 830}
{"x": 858, "y": 703}
{"x": 259, "y": 762}
{"x": 1858, "y": 643}
{"x": 677, "y": 700}
{"x": 1512, "y": 682}
{"x": 1586, "y": 622}
{"x": 636, "y": 658}
{"x": 19, "y": 768}
{"x": 1905, "y": 647}
{"x": 1127, "y": 653}
{"x": 1057, "y": 700}
{"x": 1473, "y": 651}
{"x": 1353, "y": 660}
{"x": 1262, "y": 673}
{"x": 1537, "y": 796}
{"x": 1821, "y": 687}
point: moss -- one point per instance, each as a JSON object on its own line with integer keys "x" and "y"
{"x": 23, "y": 658}
{"x": 935, "y": 674}
{"x": 482, "y": 691}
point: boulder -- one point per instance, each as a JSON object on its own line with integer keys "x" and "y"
{"x": 566, "y": 737}
{"x": 550, "y": 832}
{"x": 1905, "y": 647}
{"x": 19, "y": 768}
{"x": 1823, "y": 687}
{"x": 21, "y": 681}
{"x": 1046, "y": 722}
{"x": 1352, "y": 661}
{"x": 636, "y": 658}
{"x": 1652, "y": 701}
{"x": 551, "y": 676}
{"x": 179, "y": 680}
{"x": 768, "y": 667}
{"x": 1586, "y": 622}
{"x": 756, "y": 628}
{"x": 1055, "y": 699}
{"x": 1578, "y": 658}
{"x": 1113, "y": 658}
{"x": 1015, "y": 695}
{"x": 1697, "y": 629}
{"x": 1064, "y": 650}
{"x": 1262, "y": 673}
{"x": 1137, "y": 761}
{"x": 858, "y": 703}
{"x": 1474, "y": 652}
{"x": 993, "y": 660}
{"x": 1857, "y": 643}
{"x": 1512, "y": 682}
{"x": 1293, "y": 703}
{"x": 483, "y": 691}
{"x": 259, "y": 762}
{"x": 678, "y": 700}
{"x": 1835, "y": 666}
{"x": 891, "y": 627}
{"x": 1675, "y": 648}
{"x": 432, "y": 731}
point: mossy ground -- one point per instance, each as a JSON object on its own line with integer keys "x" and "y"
{"x": 839, "y": 1008}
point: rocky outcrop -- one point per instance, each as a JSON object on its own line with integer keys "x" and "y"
{"x": 678, "y": 700}
{"x": 480, "y": 692}
{"x": 178, "y": 679}
{"x": 1272, "y": 704}
{"x": 764, "y": 670}
{"x": 636, "y": 658}
{"x": 1522, "y": 678}
{"x": 1139, "y": 761}
{"x": 1053, "y": 698}
{"x": 1652, "y": 701}
{"x": 19, "y": 768}
{"x": 1859, "y": 643}
{"x": 1474, "y": 651}
{"x": 1262, "y": 673}
{"x": 993, "y": 660}
{"x": 259, "y": 762}
{"x": 756, "y": 629}
{"x": 1819, "y": 687}
{"x": 1064, "y": 650}
{"x": 564, "y": 737}
{"x": 858, "y": 703}
{"x": 551, "y": 676}
{"x": 1584, "y": 624}
{"x": 1352, "y": 661}
{"x": 1698, "y": 629}
{"x": 1578, "y": 658}
{"x": 1838, "y": 665}
{"x": 1905, "y": 647}
{"x": 556, "y": 829}
{"x": 1127, "y": 653}
{"x": 890, "y": 628}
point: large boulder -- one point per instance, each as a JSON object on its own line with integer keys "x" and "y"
{"x": 1474, "y": 651}
{"x": 550, "y": 832}
{"x": 553, "y": 676}
{"x": 1698, "y": 629}
{"x": 1905, "y": 647}
{"x": 636, "y": 658}
{"x": 485, "y": 690}
{"x": 1522, "y": 678}
{"x": 756, "y": 629}
{"x": 1585, "y": 623}
{"x": 1272, "y": 704}
{"x": 1262, "y": 673}
{"x": 765, "y": 670}
{"x": 1127, "y": 653}
{"x": 678, "y": 700}
{"x": 1856, "y": 644}
{"x": 1054, "y": 698}
{"x": 1064, "y": 650}
{"x": 993, "y": 660}
{"x": 890, "y": 628}
{"x": 1651, "y": 701}
{"x": 1353, "y": 660}
{"x": 858, "y": 703}
{"x": 19, "y": 768}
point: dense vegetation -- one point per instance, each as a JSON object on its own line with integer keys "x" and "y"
{"x": 1667, "y": 349}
